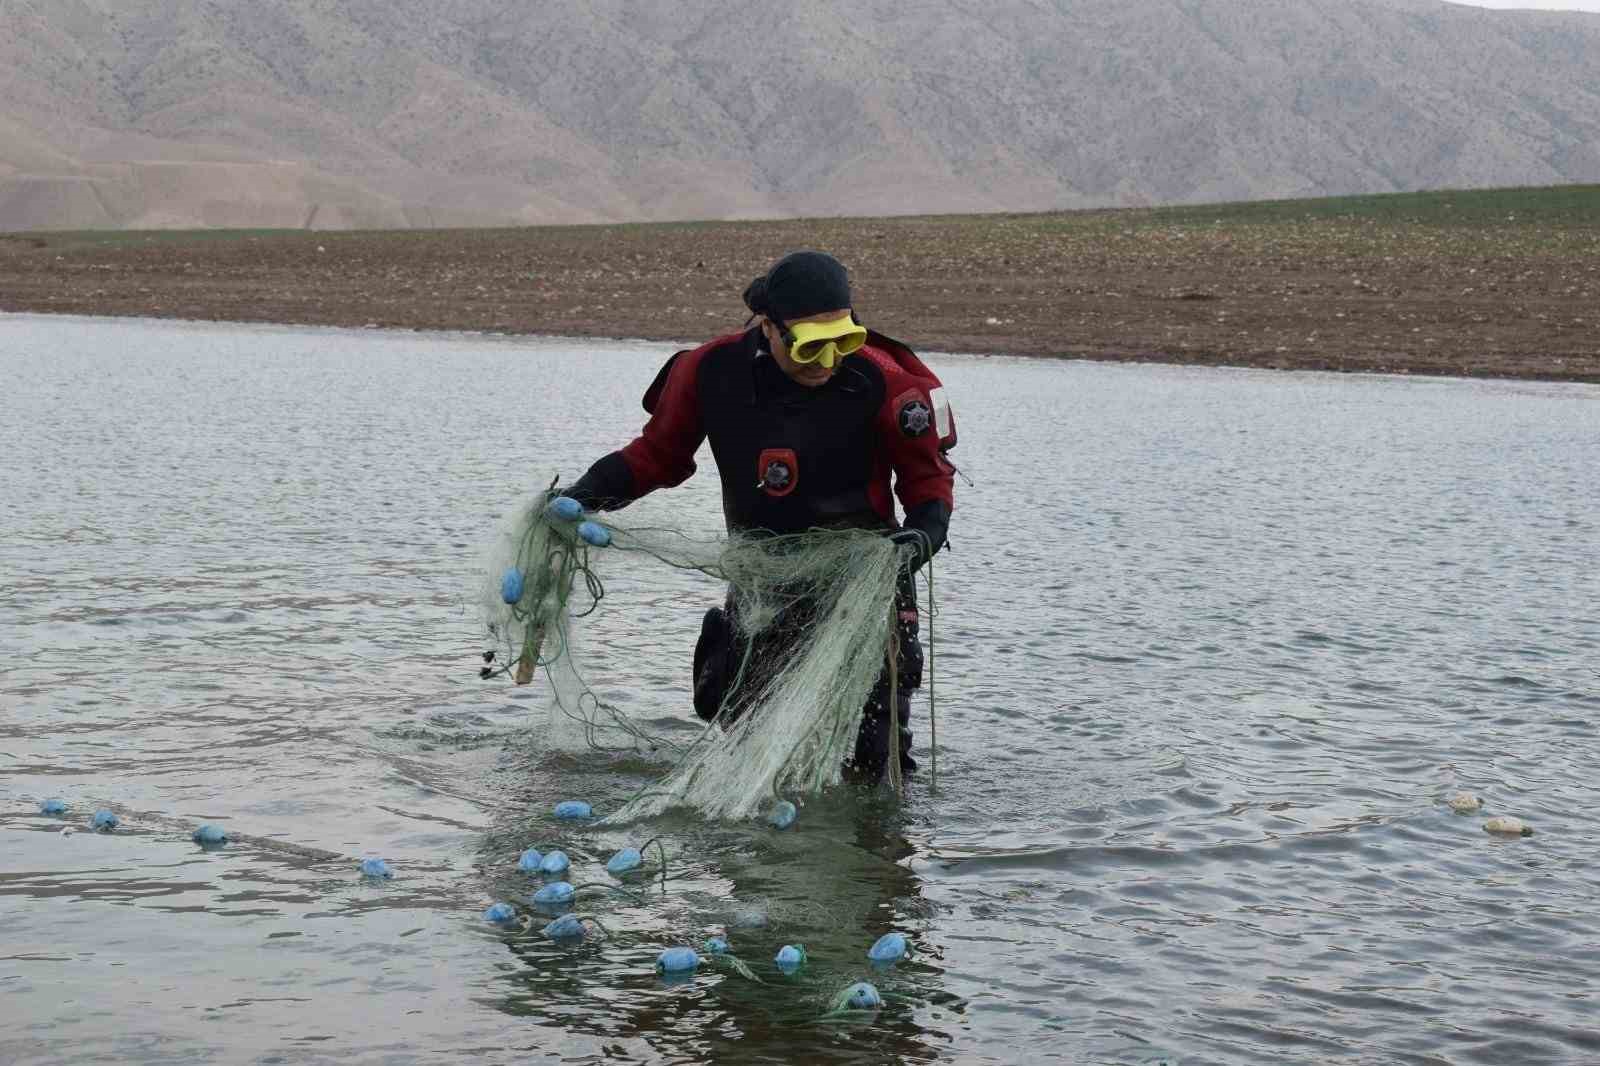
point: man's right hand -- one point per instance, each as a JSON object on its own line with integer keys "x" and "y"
{"x": 605, "y": 486}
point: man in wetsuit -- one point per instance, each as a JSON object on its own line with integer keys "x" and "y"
{"x": 809, "y": 416}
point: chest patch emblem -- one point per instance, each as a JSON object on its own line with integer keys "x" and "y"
{"x": 915, "y": 418}
{"x": 777, "y": 471}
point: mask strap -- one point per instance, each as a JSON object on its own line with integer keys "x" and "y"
{"x": 783, "y": 327}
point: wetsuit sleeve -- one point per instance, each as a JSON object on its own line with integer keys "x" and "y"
{"x": 662, "y": 455}
{"x": 907, "y": 423}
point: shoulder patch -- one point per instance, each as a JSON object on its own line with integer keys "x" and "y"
{"x": 913, "y": 413}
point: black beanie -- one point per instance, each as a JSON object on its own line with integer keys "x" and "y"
{"x": 798, "y": 285}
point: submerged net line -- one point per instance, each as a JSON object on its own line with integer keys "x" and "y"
{"x": 813, "y": 623}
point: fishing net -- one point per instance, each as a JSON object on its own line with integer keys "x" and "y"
{"x": 812, "y": 617}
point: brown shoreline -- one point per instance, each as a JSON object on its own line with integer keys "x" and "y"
{"x": 1438, "y": 284}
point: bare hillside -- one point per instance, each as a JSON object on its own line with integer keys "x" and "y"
{"x": 360, "y": 113}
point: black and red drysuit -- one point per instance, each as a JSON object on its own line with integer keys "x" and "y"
{"x": 792, "y": 458}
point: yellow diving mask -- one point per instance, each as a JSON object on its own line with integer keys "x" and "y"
{"x": 825, "y": 342}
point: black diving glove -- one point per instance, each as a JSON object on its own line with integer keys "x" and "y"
{"x": 606, "y": 486}
{"x": 923, "y": 533}
{"x": 913, "y": 546}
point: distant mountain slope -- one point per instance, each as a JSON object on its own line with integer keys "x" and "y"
{"x": 440, "y": 112}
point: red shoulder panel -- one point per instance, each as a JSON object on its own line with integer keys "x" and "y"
{"x": 662, "y": 455}
{"x": 915, "y": 425}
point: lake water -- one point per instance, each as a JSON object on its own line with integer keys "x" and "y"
{"x": 1214, "y": 647}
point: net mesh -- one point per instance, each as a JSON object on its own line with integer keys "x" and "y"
{"x": 812, "y": 621}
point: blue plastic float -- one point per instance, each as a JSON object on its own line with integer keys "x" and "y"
{"x": 624, "y": 861}
{"x": 53, "y": 806}
{"x": 594, "y": 533}
{"x": 565, "y": 508}
{"x": 861, "y": 996}
{"x": 529, "y": 862}
{"x": 376, "y": 869}
{"x": 554, "y": 862}
{"x": 716, "y": 946}
{"x": 790, "y": 957}
{"x": 511, "y": 585}
{"x": 103, "y": 820}
{"x": 555, "y": 894}
{"x": 500, "y": 913}
{"x": 677, "y": 961}
{"x": 574, "y": 809}
{"x": 782, "y": 815}
{"x": 210, "y": 836}
{"x": 566, "y": 927}
{"x": 890, "y": 947}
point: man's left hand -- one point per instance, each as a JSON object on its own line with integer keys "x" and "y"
{"x": 914, "y": 547}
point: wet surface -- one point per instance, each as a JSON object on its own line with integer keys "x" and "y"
{"x": 1214, "y": 648}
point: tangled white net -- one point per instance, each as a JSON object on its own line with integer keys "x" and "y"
{"x": 813, "y": 624}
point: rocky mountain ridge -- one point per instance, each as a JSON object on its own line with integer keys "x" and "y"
{"x": 356, "y": 113}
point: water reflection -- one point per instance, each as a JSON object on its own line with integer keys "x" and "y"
{"x": 834, "y": 884}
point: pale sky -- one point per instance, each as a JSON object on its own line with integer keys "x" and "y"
{"x": 1545, "y": 5}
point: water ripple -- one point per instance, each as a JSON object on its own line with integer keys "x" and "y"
{"x": 1202, "y": 695}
